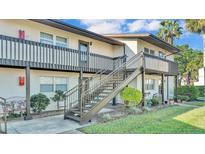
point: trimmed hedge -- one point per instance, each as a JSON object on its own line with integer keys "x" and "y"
{"x": 192, "y": 92}
{"x": 183, "y": 98}
{"x": 201, "y": 90}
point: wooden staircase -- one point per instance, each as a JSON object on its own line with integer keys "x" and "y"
{"x": 82, "y": 105}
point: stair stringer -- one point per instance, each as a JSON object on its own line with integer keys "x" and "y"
{"x": 106, "y": 100}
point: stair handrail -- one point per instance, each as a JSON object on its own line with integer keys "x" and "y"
{"x": 98, "y": 73}
{"x": 3, "y": 104}
{"x": 138, "y": 55}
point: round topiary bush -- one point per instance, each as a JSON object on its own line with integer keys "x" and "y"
{"x": 39, "y": 102}
{"x": 131, "y": 96}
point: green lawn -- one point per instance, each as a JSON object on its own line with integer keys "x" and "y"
{"x": 171, "y": 120}
{"x": 196, "y": 103}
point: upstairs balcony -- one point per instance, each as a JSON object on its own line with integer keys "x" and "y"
{"x": 21, "y": 53}
{"x": 157, "y": 65}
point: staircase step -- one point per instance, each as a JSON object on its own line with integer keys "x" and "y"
{"x": 72, "y": 117}
{"x": 77, "y": 112}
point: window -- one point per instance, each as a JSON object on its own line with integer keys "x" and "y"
{"x": 51, "y": 84}
{"x": 149, "y": 84}
{"x": 60, "y": 84}
{"x": 46, "y": 84}
{"x": 146, "y": 50}
{"x": 61, "y": 41}
{"x": 152, "y": 52}
{"x": 149, "y": 51}
{"x": 46, "y": 38}
{"x": 161, "y": 54}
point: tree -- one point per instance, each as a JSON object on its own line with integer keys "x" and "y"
{"x": 197, "y": 26}
{"x": 59, "y": 96}
{"x": 39, "y": 102}
{"x": 169, "y": 30}
{"x": 189, "y": 62}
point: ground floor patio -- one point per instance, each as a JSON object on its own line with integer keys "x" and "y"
{"x": 180, "y": 118}
{"x": 48, "y": 125}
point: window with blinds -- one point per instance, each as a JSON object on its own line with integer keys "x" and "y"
{"x": 46, "y": 84}
{"x": 46, "y": 38}
{"x": 61, "y": 41}
{"x": 149, "y": 84}
{"x": 149, "y": 51}
{"x": 51, "y": 84}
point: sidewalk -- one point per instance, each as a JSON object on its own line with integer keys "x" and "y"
{"x": 47, "y": 125}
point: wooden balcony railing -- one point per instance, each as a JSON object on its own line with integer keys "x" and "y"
{"x": 21, "y": 53}
{"x": 17, "y": 52}
{"x": 156, "y": 64}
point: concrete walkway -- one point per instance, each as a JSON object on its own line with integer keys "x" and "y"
{"x": 47, "y": 125}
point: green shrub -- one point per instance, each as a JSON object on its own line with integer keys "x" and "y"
{"x": 201, "y": 90}
{"x": 131, "y": 96}
{"x": 156, "y": 100}
{"x": 191, "y": 91}
{"x": 148, "y": 102}
{"x": 200, "y": 98}
{"x": 58, "y": 97}
{"x": 183, "y": 98}
{"x": 39, "y": 102}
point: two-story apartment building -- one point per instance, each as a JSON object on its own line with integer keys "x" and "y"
{"x": 42, "y": 56}
{"x": 157, "y": 53}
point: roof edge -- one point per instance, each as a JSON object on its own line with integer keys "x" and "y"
{"x": 130, "y": 35}
{"x": 74, "y": 29}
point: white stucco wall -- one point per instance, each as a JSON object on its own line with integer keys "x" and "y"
{"x": 9, "y": 82}
{"x": 134, "y": 46}
{"x": 200, "y": 82}
{"x": 32, "y": 30}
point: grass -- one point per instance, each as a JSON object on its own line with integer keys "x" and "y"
{"x": 196, "y": 103}
{"x": 171, "y": 120}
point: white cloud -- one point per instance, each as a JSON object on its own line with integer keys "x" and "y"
{"x": 137, "y": 25}
{"x": 185, "y": 32}
{"x": 104, "y": 26}
{"x": 107, "y": 26}
{"x": 146, "y": 25}
{"x": 153, "y": 25}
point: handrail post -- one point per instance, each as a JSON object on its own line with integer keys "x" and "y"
{"x": 80, "y": 90}
{"x": 5, "y": 118}
{"x": 162, "y": 89}
{"x": 143, "y": 79}
{"x": 28, "y": 104}
{"x": 4, "y": 115}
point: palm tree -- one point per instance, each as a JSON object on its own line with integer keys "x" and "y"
{"x": 197, "y": 26}
{"x": 169, "y": 30}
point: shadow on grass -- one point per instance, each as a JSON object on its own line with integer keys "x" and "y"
{"x": 163, "y": 121}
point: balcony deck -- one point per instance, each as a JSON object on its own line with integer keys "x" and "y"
{"x": 21, "y": 53}
{"x": 157, "y": 65}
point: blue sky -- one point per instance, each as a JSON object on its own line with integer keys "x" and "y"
{"x": 106, "y": 26}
